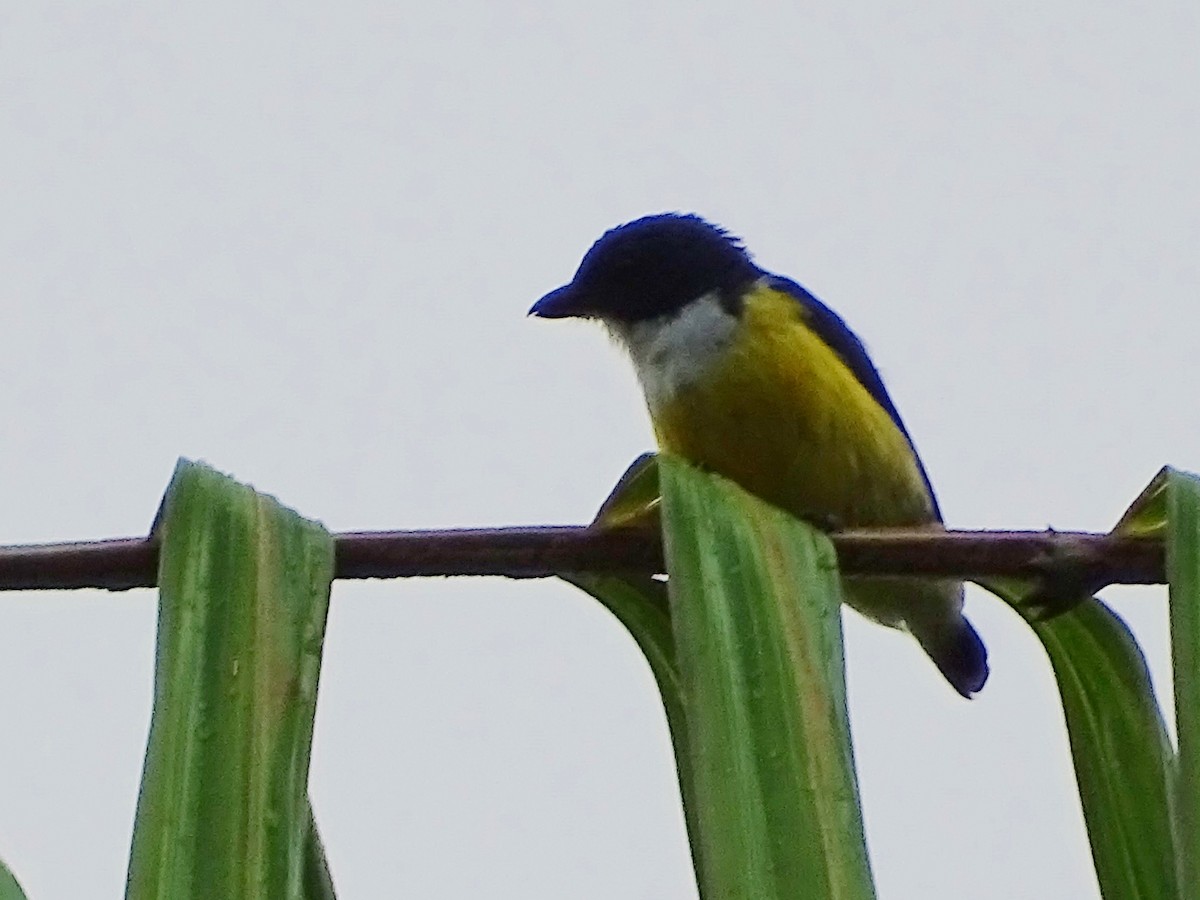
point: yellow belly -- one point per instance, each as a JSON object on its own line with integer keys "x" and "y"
{"x": 781, "y": 415}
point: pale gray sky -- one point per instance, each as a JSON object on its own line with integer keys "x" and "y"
{"x": 299, "y": 242}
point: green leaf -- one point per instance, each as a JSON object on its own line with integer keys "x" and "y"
{"x": 1147, "y": 515}
{"x": 1122, "y": 754}
{"x": 634, "y": 499}
{"x": 640, "y": 604}
{"x": 754, "y": 604}
{"x": 9, "y": 888}
{"x": 243, "y": 596}
{"x": 1182, "y": 492}
{"x": 1125, "y": 766}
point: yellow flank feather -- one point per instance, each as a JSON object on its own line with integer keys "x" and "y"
{"x": 780, "y": 414}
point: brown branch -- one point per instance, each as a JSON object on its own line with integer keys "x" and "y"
{"x": 1078, "y": 557}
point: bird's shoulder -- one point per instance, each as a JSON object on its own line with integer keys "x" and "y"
{"x": 849, "y": 348}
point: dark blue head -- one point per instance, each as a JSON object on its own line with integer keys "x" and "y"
{"x": 652, "y": 267}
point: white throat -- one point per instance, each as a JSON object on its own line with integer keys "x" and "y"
{"x": 672, "y": 352}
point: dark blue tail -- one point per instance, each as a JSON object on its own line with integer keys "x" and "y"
{"x": 958, "y": 652}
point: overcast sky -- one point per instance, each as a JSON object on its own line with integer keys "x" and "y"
{"x": 299, "y": 241}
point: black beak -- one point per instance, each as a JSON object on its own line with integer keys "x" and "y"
{"x": 562, "y": 303}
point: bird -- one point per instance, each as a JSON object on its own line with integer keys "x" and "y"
{"x": 748, "y": 375}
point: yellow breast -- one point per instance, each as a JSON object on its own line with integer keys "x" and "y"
{"x": 778, "y": 412}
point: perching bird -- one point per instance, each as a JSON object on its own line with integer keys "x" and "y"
{"x": 748, "y": 375}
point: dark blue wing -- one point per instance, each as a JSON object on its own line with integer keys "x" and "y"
{"x": 845, "y": 343}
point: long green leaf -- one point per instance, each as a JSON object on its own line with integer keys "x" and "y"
{"x": 1122, "y": 754}
{"x": 244, "y": 592}
{"x": 754, "y": 597}
{"x": 640, "y": 604}
{"x": 1183, "y": 573}
{"x": 1125, "y": 766}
